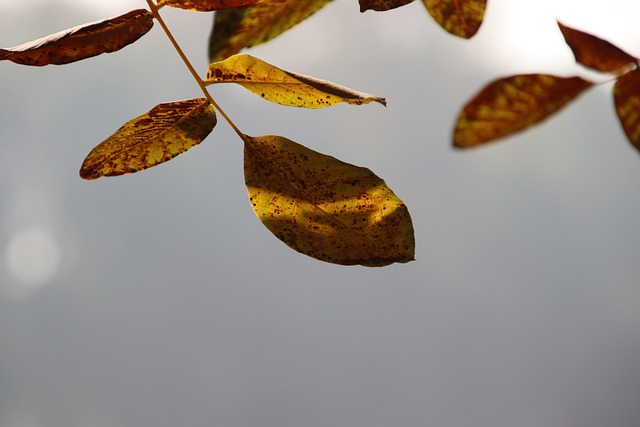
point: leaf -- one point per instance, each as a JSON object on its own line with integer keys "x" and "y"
{"x": 461, "y": 18}
{"x": 205, "y": 5}
{"x": 595, "y": 53}
{"x": 382, "y": 5}
{"x": 84, "y": 41}
{"x": 281, "y": 86}
{"x": 235, "y": 29}
{"x": 512, "y": 104}
{"x": 153, "y": 138}
{"x": 325, "y": 208}
{"x": 626, "y": 94}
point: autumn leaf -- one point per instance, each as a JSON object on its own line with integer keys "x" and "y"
{"x": 205, "y": 5}
{"x": 82, "y": 42}
{"x": 461, "y": 18}
{"x": 235, "y": 29}
{"x": 626, "y": 94}
{"x": 595, "y": 53}
{"x": 153, "y": 138}
{"x": 512, "y": 104}
{"x": 382, "y": 5}
{"x": 325, "y": 208}
{"x": 281, "y": 86}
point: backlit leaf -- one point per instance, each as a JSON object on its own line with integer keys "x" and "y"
{"x": 512, "y": 104}
{"x": 205, "y": 5}
{"x": 595, "y": 53}
{"x": 382, "y": 5}
{"x": 82, "y": 42}
{"x": 461, "y": 18}
{"x": 153, "y": 138}
{"x": 281, "y": 86}
{"x": 325, "y": 208}
{"x": 626, "y": 93}
{"x": 235, "y": 29}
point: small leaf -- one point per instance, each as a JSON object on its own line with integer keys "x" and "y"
{"x": 281, "y": 86}
{"x": 595, "y": 53}
{"x": 235, "y": 29}
{"x": 382, "y": 5}
{"x": 325, "y": 208}
{"x": 626, "y": 94}
{"x": 153, "y": 138}
{"x": 82, "y": 42}
{"x": 461, "y": 18}
{"x": 205, "y": 5}
{"x": 512, "y": 104}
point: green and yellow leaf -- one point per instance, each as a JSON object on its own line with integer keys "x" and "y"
{"x": 325, "y": 208}
{"x": 382, "y": 5}
{"x": 461, "y": 18}
{"x": 84, "y": 41}
{"x": 205, "y": 5}
{"x": 594, "y": 52}
{"x": 238, "y": 28}
{"x": 512, "y": 104}
{"x": 153, "y": 138}
{"x": 626, "y": 94}
{"x": 282, "y": 86}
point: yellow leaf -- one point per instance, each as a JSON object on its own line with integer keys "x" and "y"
{"x": 626, "y": 94}
{"x": 461, "y": 18}
{"x": 382, "y": 5}
{"x": 325, "y": 208}
{"x": 153, "y": 138}
{"x": 512, "y": 104}
{"x": 235, "y": 29}
{"x": 205, "y": 5}
{"x": 283, "y": 87}
{"x": 84, "y": 41}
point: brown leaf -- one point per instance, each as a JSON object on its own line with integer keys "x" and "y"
{"x": 461, "y": 18}
{"x": 595, "y": 53}
{"x": 205, "y": 5}
{"x": 238, "y": 28}
{"x": 382, "y": 5}
{"x": 283, "y": 87}
{"x": 82, "y": 42}
{"x": 153, "y": 138}
{"x": 626, "y": 94}
{"x": 325, "y": 208}
{"x": 512, "y": 104}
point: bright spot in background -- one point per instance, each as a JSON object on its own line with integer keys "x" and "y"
{"x": 33, "y": 256}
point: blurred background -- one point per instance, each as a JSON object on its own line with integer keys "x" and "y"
{"x": 158, "y": 298}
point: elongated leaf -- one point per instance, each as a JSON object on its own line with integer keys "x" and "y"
{"x": 626, "y": 94}
{"x": 235, "y": 29}
{"x": 281, "y": 86}
{"x": 205, "y": 5}
{"x": 512, "y": 104}
{"x": 82, "y": 42}
{"x": 325, "y": 208}
{"x": 153, "y": 138}
{"x": 461, "y": 18}
{"x": 595, "y": 53}
{"x": 382, "y": 5}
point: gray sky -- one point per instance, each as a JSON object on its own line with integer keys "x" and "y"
{"x": 158, "y": 299}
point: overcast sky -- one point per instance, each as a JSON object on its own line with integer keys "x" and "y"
{"x": 158, "y": 299}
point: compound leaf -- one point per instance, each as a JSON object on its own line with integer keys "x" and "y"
{"x": 325, "y": 208}
{"x": 84, "y": 41}
{"x": 281, "y": 86}
{"x": 626, "y": 94}
{"x": 153, "y": 138}
{"x": 382, "y": 5}
{"x": 205, "y": 5}
{"x": 512, "y": 104}
{"x": 461, "y": 18}
{"x": 235, "y": 29}
{"x": 595, "y": 53}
